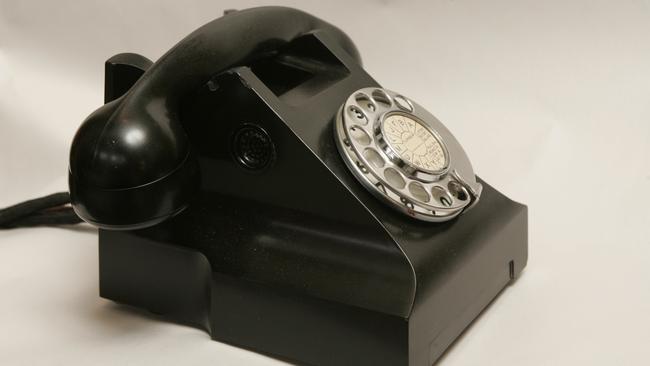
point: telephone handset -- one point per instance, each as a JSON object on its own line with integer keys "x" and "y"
{"x": 131, "y": 164}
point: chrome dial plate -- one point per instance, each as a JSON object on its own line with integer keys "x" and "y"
{"x": 404, "y": 155}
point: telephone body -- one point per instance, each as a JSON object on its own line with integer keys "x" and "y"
{"x": 225, "y": 201}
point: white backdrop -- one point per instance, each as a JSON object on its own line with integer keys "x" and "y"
{"x": 551, "y": 100}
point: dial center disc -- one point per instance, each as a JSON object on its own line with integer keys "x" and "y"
{"x": 414, "y": 143}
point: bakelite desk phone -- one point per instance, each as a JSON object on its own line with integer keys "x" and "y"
{"x": 257, "y": 183}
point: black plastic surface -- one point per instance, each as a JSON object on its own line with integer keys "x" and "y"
{"x": 287, "y": 296}
{"x": 131, "y": 165}
{"x": 298, "y": 260}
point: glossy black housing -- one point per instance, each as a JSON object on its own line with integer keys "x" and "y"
{"x": 298, "y": 260}
{"x": 131, "y": 164}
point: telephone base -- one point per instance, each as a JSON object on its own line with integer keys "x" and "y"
{"x": 179, "y": 283}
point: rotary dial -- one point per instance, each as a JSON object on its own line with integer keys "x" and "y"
{"x": 404, "y": 155}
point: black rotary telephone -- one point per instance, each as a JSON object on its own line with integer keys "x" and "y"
{"x": 256, "y": 182}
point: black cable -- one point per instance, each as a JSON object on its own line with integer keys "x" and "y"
{"x": 51, "y": 210}
{"x": 28, "y": 207}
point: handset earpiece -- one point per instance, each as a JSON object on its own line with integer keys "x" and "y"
{"x": 131, "y": 164}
